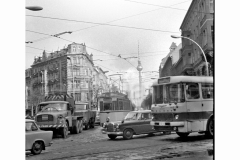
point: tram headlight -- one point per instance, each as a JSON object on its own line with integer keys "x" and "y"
{"x": 176, "y": 116}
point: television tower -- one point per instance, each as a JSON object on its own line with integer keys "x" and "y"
{"x": 139, "y": 68}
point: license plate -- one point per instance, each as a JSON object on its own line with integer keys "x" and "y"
{"x": 161, "y": 123}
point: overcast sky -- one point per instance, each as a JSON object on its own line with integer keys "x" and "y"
{"x": 132, "y": 22}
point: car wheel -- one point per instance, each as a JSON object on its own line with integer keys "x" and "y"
{"x": 210, "y": 128}
{"x": 37, "y": 148}
{"x": 112, "y": 137}
{"x": 182, "y": 135}
{"x": 127, "y": 134}
{"x": 93, "y": 123}
{"x": 64, "y": 131}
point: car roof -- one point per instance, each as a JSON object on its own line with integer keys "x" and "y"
{"x": 29, "y": 120}
{"x": 142, "y": 111}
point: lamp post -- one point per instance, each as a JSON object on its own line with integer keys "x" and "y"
{"x": 34, "y": 8}
{"x": 173, "y": 36}
{"x": 72, "y": 78}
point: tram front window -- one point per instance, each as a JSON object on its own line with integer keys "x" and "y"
{"x": 107, "y": 106}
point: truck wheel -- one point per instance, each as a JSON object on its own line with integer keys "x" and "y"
{"x": 64, "y": 131}
{"x": 93, "y": 123}
{"x": 86, "y": 126}
{"x": 76, "y": 127}
{"x": 81, "y": 126}
{"x": 210, "y": 128}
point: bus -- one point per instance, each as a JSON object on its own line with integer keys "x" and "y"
{"x": 183, "y": 104}
{"x": 114, "y": 106}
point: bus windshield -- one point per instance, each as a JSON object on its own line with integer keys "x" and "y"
{"x": 170, "y": 93}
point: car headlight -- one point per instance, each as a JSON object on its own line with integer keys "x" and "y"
{"x": 176, "y": 116}
{"x": 116, "y": 126}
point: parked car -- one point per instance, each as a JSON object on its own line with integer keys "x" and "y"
{"x": 135, "y": 122}
{"x": 36, "y": 139}
{"x": 97, "y": 119}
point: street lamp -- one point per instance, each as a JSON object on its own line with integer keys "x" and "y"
{"x": 34, "y": 8}
{"x": 173, "y": 36}
{"x": 72, "y": 76}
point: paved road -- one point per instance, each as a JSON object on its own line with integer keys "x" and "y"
{"x": 91, "y": 144}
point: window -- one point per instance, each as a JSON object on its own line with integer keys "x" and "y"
{"x": 158, "y": 90}
{"x": 211, "y": 6}
{"x": 192, "y": 91}
{"x": 31, "y": 126}
{"x": 146, "y": 116}
{"x": 176, "y": 93}
{"x": 120, "y": 104}
{"x": 101, "y": 106}
{"x": 207, "y": 91}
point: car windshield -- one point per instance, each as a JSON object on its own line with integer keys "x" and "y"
{"x": 132, "y": 116}
{"x": 53, "y": 107}
{"x": 81, "y": 106}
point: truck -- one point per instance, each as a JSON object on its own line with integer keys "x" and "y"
{"x": 58, "y": 114}
{"x": 84, "y": 110}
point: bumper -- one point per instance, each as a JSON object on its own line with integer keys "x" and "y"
{"x": 51, "y": 126}
{"x": 173, "y": 124}
{"x": 112, "y": 133}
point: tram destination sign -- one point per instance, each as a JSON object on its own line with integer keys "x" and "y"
{"x": 164, "y": 80}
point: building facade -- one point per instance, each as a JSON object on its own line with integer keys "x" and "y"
{"x": 69, "y": 70}
{"x": 187, "y": 58}
{"x": 100, "y": 83}
{"x": 198, "y": 25}
{"x": 168, "y": 65}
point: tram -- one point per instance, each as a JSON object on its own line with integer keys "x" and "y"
{"x": 114, "y": 105}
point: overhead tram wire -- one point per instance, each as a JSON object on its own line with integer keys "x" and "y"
{"x": 109, "y": 21}
{"x": 112, "y": 25}
{"x": 166, "y": 7}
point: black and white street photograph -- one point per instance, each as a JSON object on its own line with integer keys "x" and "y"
{"x": 118, "y": 79}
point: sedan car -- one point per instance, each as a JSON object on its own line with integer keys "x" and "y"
{"x": 135, "y": 122}
{"x": 36, "y": 139}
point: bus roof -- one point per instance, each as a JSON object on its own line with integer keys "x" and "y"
{"x": 177, "y": 79}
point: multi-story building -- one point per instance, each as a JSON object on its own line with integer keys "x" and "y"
{"x": 167, "y": 66}
{"x": 100, "y": 83}
{"x": 69, "y": 70}
{"x": 197, "y": 25}
{"x": 187, "y": 58}
{"x": 28, "y": 88}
